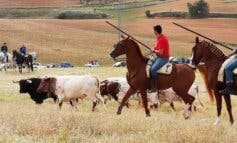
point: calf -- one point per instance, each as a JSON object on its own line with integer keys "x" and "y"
{"x": 30, "y": 86}
{"x": 70, "y": 88}
{"x": 116, "y": 87}
{"x": 109, "y": 89}
{"x": 169, "y": 96}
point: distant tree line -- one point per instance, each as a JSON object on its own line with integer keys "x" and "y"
{"x": 97, "y": 1}
{"x": 198, "y": 9}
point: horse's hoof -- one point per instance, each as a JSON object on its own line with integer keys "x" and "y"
{"x": 217, "y": 121}
{"x": 119, "y": 112}
{"x": 187, "y": 114}
{"x": 148, "y": 115}
{"x": 186, "y": 118}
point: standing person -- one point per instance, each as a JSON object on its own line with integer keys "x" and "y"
{"x": 4, "y": 49}
{"x": 23, "y": 50}
{"x": 162, "y": 52}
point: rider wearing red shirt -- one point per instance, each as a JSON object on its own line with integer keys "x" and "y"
{"x": 162, "y": 45}
{"x": 162, "y": 51}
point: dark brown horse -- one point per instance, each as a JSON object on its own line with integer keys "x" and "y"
{"x": 213, "y": 59}
{"x": 180, "y": 79}
{"x": 21, "y": 59}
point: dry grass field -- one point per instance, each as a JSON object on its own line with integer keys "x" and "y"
{"x": 36, "y": 3}
{"x": 23, "y": 121}
{"x": 78, "y": 41}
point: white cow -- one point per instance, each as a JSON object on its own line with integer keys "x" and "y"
{"x": 70, "y": 88}
{"x": 124, "y": 86}
{"x": 169, "y": 96}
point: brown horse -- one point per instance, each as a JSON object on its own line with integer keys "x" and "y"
{"x": 180, "y": 79}
{"x": 213, "y": 59}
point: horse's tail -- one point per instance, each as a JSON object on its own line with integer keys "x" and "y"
{"x": 204, "y": 75}
{"x": 31, "y": 62}
{"x": 198, "y": 97}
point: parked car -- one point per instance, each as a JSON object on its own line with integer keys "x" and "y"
{"x": 52, "y": 65}
{"x": 92, "y": 63}
{"x": 66, "y": 65}
{"x": 37, "y": 65}
{"x": 119, "y": 64}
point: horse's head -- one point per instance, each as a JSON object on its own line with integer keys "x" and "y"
{"x": 121, "y": 47}
{"x": 14, "y": 52}
{"x": 197, "y": 53}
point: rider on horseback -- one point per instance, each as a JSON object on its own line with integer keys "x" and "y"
{"x": 229, "y": 76}
{"x": 4, "y": 49}
{"x": 162, "y": 52}
{"x": 23, "y": 50}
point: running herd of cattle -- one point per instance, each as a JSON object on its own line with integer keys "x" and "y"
{"x": 72, "y": 88}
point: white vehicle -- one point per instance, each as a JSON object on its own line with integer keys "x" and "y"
{"x": 91, "y": 65}
{"x": 38, "y": 66}
{"x": 119, "y": 64}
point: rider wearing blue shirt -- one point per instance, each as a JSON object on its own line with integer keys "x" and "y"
{"x": 23, "y": 50}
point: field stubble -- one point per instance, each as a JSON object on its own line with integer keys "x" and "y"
{"x": 23, "y": 121}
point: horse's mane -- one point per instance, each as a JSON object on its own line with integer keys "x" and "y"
{"x": 213, "y": 49}
{"x": 138, "y": 50}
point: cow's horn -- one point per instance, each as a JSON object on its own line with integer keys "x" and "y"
{"x": 15, "y": 81}
{"x": 28, "y": 81}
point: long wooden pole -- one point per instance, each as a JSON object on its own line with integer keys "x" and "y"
{"x": 219, "y": 43}
{"x": 129, "y": 35}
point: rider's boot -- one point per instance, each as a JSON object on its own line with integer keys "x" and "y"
{"x": 228, "y": 89}
{"x": 153, "y": 85}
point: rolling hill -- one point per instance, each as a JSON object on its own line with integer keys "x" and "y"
{"x": 78, "y": 41}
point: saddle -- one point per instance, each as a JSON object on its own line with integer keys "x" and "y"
{"x": 221, "y": 71}
{"x": 166, "y": 69}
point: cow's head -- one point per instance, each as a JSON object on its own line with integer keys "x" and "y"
{"x": 25, "y": 85}
{"x": 104, "y": 87}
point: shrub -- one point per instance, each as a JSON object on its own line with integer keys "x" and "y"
{"x": 199, "y": 9}
{"x": 80, "y": 15}
{"x": 148, "y": 13}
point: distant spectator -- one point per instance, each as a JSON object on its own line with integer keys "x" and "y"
{"x": 4, "y": 49}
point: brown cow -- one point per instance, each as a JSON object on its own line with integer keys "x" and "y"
{"x": 110, "y": 89}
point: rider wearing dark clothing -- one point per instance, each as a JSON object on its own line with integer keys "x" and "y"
{"x": 4, "y": 49}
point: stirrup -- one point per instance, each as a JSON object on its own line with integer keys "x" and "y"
{"x": 225, "y": 91}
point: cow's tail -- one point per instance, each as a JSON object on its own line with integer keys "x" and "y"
{"x": 198, "y": 97}
{"x": 100, "y": 98}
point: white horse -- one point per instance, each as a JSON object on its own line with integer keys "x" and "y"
{"x": 3, "y": 60}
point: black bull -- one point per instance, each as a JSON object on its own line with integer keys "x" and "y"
{"x": 30, "y": 86}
